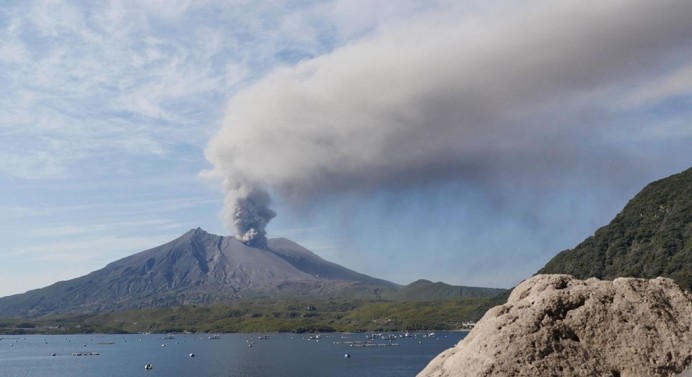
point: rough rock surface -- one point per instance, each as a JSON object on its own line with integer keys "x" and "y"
{"x": 557, "y": 325}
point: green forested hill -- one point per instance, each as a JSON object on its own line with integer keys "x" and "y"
{"x": 269, "y": 315}
{"x": 651, "y": 237}
{"x": 421, "y": 290}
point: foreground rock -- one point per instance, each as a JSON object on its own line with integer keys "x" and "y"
{"x": 556, "y": 325}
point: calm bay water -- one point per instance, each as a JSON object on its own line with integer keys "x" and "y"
{"x": 284, "y": 355}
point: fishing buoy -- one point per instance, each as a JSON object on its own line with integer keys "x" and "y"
{"x": 192, "y": 355}
{"x": 346, "y": 356}
{"x": 52, "y": 354}
{"x": 148, "y": 366}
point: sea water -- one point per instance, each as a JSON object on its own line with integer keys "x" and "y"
{"x": 231, "y": 355}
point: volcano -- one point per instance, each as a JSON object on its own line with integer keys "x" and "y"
{"x": 197, "y": 268}
{"x": 203, "y": 268}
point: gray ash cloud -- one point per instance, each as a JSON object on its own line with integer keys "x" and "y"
{"x": 249, "y": 213}
{"x": 522, "y": 94}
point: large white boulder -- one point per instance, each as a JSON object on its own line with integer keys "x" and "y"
{"x": 557, "y": 325}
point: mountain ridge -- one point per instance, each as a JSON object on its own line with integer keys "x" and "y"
{"x": 650, "y": 237}
{"x": 202, "y": 268}
{"x": 440, "y": 291}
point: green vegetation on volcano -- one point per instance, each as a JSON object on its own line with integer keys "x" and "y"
{"x": 265, "y": 316}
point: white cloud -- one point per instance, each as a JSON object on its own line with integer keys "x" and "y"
{"x": 80, "y": 91}
{"x": 142, "y": 78}
{"x": 86, "y": 250}
{"x": 130, "y": 78}
{"x": 106, "y": 209}
{"x": 152, "y": 225}
{"x": 13, "y": 280}
{"x": 62, "y": 260}
{"x": 675, "y": 84}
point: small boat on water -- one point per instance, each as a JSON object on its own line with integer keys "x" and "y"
{"x": 85, "y": 354}
{"x": 214, "y": 337}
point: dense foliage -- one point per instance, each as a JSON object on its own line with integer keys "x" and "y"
{"x": 266, "y": 316}
{"x": 651, "y": 237}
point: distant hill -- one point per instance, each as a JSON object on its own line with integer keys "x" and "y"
{"x": 426, "y": 290}
{"x": 202, "y": 268}
{"x": 651, "y": 237}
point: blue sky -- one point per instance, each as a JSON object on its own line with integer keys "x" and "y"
{"x": 466, "y": 142}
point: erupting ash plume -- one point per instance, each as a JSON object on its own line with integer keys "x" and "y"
{"x": 518, "y": 94}
{"x": 249, "y": 212}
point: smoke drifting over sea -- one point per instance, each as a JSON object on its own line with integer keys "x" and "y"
{"x": 522, "y": 91}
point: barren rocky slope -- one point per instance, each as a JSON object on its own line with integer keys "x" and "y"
{"x": 196, "y": 268}
{"x": 200, "y": 268}
{"x": 556, "y": 325}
